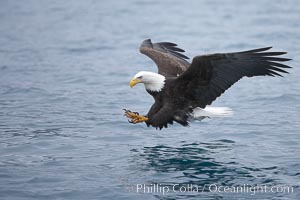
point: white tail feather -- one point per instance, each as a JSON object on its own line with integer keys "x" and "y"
{"x": 201, "y": 113}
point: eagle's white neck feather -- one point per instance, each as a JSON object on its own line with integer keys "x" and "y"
{"x": 156, "y": 85}
{"x": 153, "y": 82}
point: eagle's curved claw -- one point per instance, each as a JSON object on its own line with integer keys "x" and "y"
{"x": 134, "y": 116}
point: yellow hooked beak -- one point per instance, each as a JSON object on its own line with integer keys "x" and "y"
{"x": 134, "y": 81}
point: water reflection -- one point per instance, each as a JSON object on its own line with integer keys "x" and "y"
{"x": 198, "y": 164}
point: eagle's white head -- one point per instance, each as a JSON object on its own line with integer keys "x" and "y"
{"x": 153, "y": 82}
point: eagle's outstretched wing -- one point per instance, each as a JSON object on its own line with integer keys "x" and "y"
{"x": 167, "y": 56}
{"x": 210, "y": 75}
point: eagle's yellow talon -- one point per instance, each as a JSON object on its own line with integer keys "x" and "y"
{"x": 135, "y": 117}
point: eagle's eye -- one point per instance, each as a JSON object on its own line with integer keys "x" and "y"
{"x": 140, "y": 77}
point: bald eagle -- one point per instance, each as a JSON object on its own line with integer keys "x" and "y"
{"x": 182, "y": 91}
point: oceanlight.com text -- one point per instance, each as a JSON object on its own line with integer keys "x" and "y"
{"x": 212, "y": 188}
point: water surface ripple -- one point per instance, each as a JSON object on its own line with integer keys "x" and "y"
{"x": 64, "y": 73}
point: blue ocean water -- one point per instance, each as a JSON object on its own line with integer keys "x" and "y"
{"x": 64, "y": 73}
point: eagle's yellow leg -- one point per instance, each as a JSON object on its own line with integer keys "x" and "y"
{"x": 135, "y": 117}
